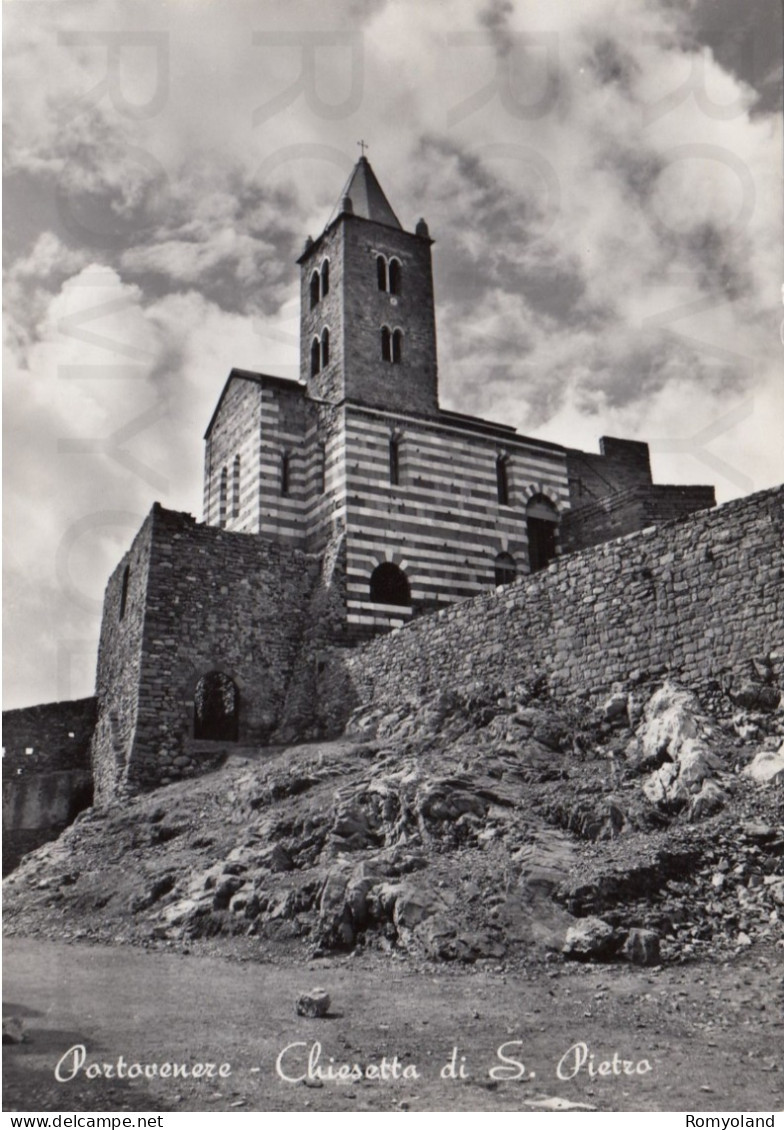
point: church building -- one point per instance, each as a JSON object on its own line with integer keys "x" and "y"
{"x": 433, "y": 506}
{"x": 336, "y": 507}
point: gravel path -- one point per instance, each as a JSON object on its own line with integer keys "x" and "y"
{"x": 712, "y": 1035}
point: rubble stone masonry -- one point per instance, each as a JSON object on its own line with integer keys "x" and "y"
{"x": 200, "y": 600}
{"x": 46, "y": 772}
{"x": 696, "y": 598}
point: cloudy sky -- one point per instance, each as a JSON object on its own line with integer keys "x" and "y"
{"x": 602, "y": 178}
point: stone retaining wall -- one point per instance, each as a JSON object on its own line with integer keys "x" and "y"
{"x": 694, "y": 598}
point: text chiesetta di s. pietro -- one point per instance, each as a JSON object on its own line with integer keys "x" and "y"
{"x": 302, "y": 1061}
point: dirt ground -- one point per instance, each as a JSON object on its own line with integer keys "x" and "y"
{"x": 711, "y": 1036}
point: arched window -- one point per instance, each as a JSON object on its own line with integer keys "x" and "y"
{"x": 542, "y": 525}
{"x": 315, "y": 356}
{"x": 314, "y": 289}
{"x": 216, "y": 708}
{"x": 389, "y": 585}
{"x": 381, "y": 271}
{"x": 325, "y": 279}
{"x": 386, "y": 344}
{"x": 505, "y": 569}
{"x": 397, "y": 347}
{"x": 126, "y": 578}
{"x": 502, "y": 479}
{"x": 395, "y": 271}
{"x": 394, "y": 460}
{"x": 285, "y": 473}
{"x": 235, "y": 488}
{"x": 223, "y": 498}
{"x": 324, "y": 348}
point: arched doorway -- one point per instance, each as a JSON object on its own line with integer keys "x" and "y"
{"x": 505, "y": 569}
{"x": 389, "y": 585}
{"x": 542, "y": 524}
{"x": 216, "y": 708}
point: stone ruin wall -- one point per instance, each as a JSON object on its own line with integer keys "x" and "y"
{"x": 46, "y": 772}
{"x": 628, "y": 510}
{"x": 694, "y": 598}
{"x": 208, "y": 600}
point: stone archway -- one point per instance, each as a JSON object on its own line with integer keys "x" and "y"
{"x": 541, "y": 517}
{"x": 389, "y": 585}
{"x": 216, "y": 708}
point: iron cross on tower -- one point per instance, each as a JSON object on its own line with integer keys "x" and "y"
{"x": 363, "y": 146}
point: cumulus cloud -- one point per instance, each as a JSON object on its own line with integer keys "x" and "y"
{"x": 104, "y": 412}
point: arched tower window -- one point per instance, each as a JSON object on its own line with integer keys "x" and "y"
{"x": 542, "y": 524}
{"x": 223, "y": 498}
{"x": 314, "y": 290}
{"x": 395, "y": 272}
{"x": 505, "y": 569}
{"x": 126, "y": 578}
{"x": 216, "y": 708}
{"x": 315, "y": 356}
{"x": 389, "y": 585}
{"x": 502, "y": 479}
{"x": 394, "y": 460}
{"x": 324, "y": 348}
{"x": 386, "y": 344}
{"x": 381, "y": 271}
{"x": 397, "y": 347}
{"x": 325, "y": 279}
{"x": 285, "y": 473}
{"x": 235, "y": 488}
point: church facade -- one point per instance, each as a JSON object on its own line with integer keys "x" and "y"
{"x": 432, "y": 506}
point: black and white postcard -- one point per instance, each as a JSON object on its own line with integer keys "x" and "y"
{"x": 394, "y": 588}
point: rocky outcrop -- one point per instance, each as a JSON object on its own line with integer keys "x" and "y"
{"x": 767, "y": 767}
{"x": 673, "y": 739}
{"x": 491, "y": 824}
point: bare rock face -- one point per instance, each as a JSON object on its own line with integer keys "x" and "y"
{"x": 486, "y": 826}
{"x": 642, "y": 947}
{"x": 669, "y": 720}
{"x": 616, "y": 707}
{"x": 756, "y": 696}
{"x": 767, "y": 768}
{"x": 590, "y": 938}
{"x": 314, "y": 1003}
{"x": 708, "y": 800}
{"x": 673, "y": 737}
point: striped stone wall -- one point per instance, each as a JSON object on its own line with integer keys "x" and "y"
{"x": 442, "y": 523}
{"x": 237, "y": 432}
{"x": 261, "y": 421}
{"x": 696, "y": 600}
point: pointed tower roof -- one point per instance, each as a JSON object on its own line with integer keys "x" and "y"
{"x": 367, "y": 196}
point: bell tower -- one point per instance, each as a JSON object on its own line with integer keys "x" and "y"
{"x": 367, "y": 328}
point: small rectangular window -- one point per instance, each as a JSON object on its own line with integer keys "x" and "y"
{"x": 285, "y": 473}
{"x": 321, "y": 474}
{"x": 502, "y": 479}
{"x": 223, "y": 497}
{"x": 235, "y": 488}
{"x": 394, "y": 461}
